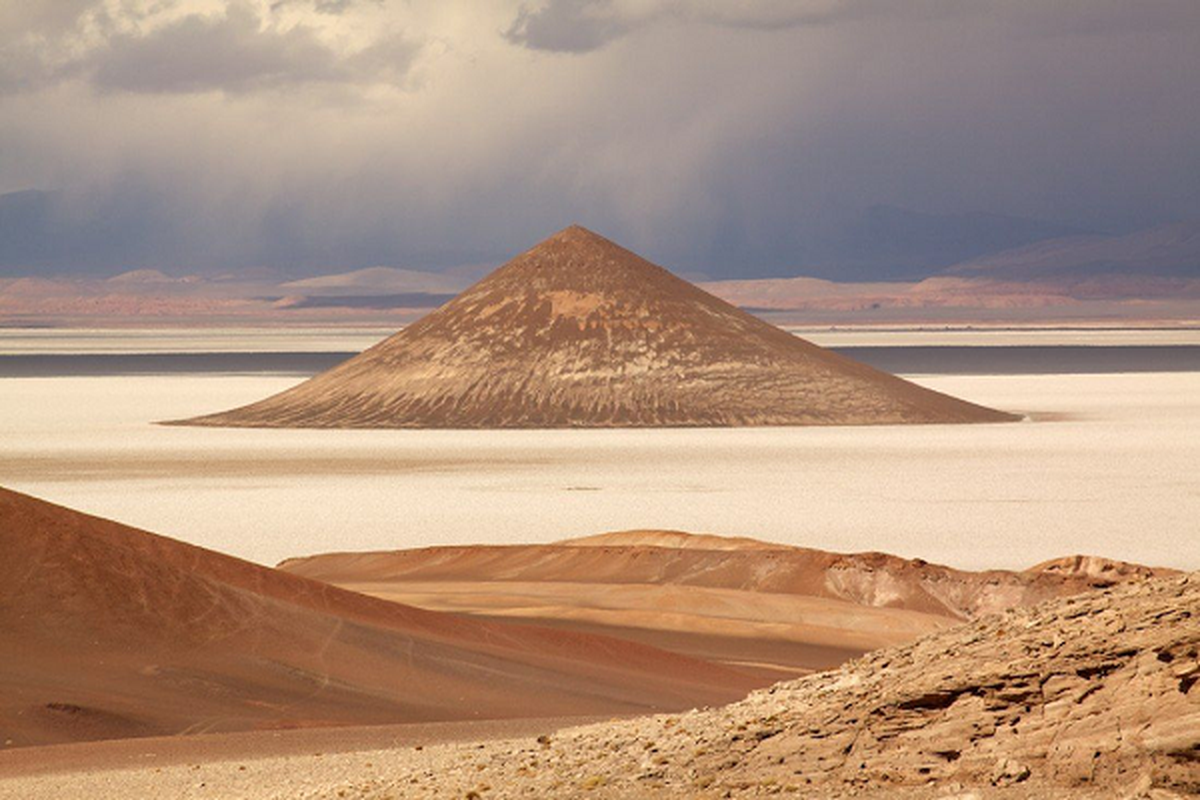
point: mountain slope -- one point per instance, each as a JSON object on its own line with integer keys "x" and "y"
{"x": 108, "y": 631}
{"x": 579, "y": 332}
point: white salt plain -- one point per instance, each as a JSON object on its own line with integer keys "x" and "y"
{"x": 73, "y": 341}
{"x": 1110, "y": 464}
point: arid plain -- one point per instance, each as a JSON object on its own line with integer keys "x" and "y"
{"x": 1104, "y": 457}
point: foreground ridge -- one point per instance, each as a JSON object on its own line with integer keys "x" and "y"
{"x": 579, "y": 332}
{"x": 1090, "y": 696}
{"x": 111, "y": 632}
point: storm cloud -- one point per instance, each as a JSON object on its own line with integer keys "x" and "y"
{"x": 583, "y": 25}
{"x": 235, "y": 48}
{"x": 838, "y": 137}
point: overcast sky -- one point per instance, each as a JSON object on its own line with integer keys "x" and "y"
{"x": 732, "y": 139}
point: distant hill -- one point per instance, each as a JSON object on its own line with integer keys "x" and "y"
{"x": 1165, "y": 251}
{"x": 771, "y": 607}
{"x": 889, "y": 243}
{"x": 580, "y": 332}
{"x": 376, "y": 280}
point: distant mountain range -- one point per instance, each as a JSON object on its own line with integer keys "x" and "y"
{"x": 377, "y": 280}
{"x": 890, "y": 243}
{"x": 1165, "y": 251}
{"x": 1112, "y": 276}
{"x": 930, "y": 268}
{"x": 48, "y": 233}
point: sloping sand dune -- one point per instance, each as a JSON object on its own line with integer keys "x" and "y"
{"x": 771, "y": 608}
{"x": 108, "y": 631}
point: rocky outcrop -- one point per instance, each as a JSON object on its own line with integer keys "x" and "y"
{"x": 1094, "y": 690}
{"x": 1100, "y": 571}
{"x": 1093, "y": 696}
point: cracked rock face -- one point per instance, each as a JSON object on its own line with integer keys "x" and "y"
{"x": 1092, "y": 690}
{"x": 1090, "y": 696}
{"x": 579, "y": 332}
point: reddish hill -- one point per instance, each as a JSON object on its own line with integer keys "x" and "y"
{"x": 579, "y": 332}
{"x": 108, "y": 631}
{"x": 767, "y": 606}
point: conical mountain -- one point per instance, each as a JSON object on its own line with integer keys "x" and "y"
{"x": 580, "y": 332}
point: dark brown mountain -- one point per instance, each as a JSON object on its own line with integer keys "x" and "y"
{"x": 108, "y": 632}
{"x": 579, "y": 332}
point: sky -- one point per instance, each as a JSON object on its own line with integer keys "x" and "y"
{"x": 757, "y": 138}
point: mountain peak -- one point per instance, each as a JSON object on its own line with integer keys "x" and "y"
{"x": 575, "y": 229}
{"x": 574, "y": 250}
{"x": 573, "y": 236}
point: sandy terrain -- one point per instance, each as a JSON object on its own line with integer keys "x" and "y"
{"x": 111, "y": 632}
{"x": 579, "y": 332}
{"x": 751, "y": 604}
{"x": 1087, "y": 697}
{"x": 151, "y": 753}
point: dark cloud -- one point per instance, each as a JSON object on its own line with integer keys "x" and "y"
{"x": 44, "y": 18}
{"x": 30, "y": 35}
{"x": 566, "y": 26}
{"x": 236, "y": 53}
{"x": 580, "y": 26}
{"x": 199, "y": 53}
{"x": 334, "y": 7}
{"x": 241, "y": 50}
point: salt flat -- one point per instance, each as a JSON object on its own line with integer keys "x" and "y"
{"x": 1107, "y": 466}
{"x": 71, "y": 341}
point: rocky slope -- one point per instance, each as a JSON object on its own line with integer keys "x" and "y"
{"x": 579, "y": 332}
{"x": 1092, "y": 696}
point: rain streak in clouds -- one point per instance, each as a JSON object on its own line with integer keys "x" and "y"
{"x": 729, "y": 139}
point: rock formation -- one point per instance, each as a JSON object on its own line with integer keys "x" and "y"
{"x": 579, "y": 332}
{"x": 1093, "y": 696}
